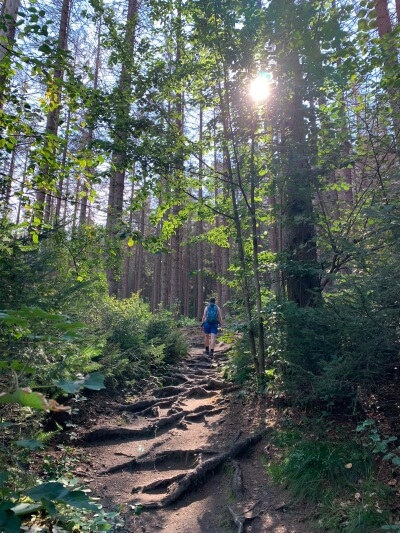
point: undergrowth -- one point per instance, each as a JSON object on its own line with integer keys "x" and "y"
{"x": 337, "y": 476}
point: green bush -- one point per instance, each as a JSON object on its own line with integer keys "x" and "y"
{"x": 317, "y": 471}
{"x": 240, "y": 367}
{"x": 325, "y": 353}
{"x": 175, "y": 347}
{"x": 136, "y": 341}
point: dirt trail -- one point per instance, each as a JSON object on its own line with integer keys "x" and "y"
{"x": 191, "y": 454}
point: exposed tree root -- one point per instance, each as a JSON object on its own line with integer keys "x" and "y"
{"x": 175, "y": 378}
{"x": 214, "y": 384}
{"x": 237, "y": 519}
{"x": 232, "y": 388}
{"x": 132, "y": 433}
{"x": 141, "y": 406}
{"x": 176, "y": 455}
{"x": 237, "y": 480}
{"x": 158, "y": 483}
{"x": 197, "y": 474}
{"x": 172, "y": 390}
{"x": 199, "y": 392}
{"x": 240, "y": 519}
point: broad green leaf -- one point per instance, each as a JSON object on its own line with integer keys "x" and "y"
{"x": 50, "y": 491}
{"x": 25, "y": 397}
{"x": 94, "y": 381}
{"x": 9, "y": 522}
{"x": 3, "y": 478}
{"x": 26, "y": 508}
{"x": 30, "y": 444}
{"x": 55, "y": 491}
{"x": 78, "y": 499}
{"x": 69, "y": 386}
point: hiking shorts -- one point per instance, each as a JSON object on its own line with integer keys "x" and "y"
{"x": 210, "y": 328}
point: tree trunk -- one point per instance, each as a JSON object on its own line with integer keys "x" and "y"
{"x": 302, "y": 280}
{"x": 44, "y": 200}
{"x": 391, "y": 63}
{"x": 9, "y": 10}
{"x": 199, "y": 232}
{"x": 256, "y": 266}
{"x": 117, "y": 177}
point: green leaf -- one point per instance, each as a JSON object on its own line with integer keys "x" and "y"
{"x": 26, "y": 508}
{"x": 3, "y": 478}
{"x": 50, "y": 491}
{"x": 78, "y": 499}
{"x": 69, "y": 386}
{"x": 9, "y": 522}
{"x": 94, "y": 381}
{"x": 55, "y": 491}
{"x": 17, "y": 366}
{"x": 26, "y": 398}
{"x": 30, "y": 444}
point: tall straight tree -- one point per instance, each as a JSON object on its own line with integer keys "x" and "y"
{"x": 44, "y": 199}
{"x": 9, "y": 10}
{"x": 119, "y": 154}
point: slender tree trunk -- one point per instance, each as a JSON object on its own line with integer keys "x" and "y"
{"x": 391, "y": 63}
{"x": 256, "y": 265}
{"x": 43, "y": 200}
{"x": 127, "y": 285}
{"x": 234, "y": 186}
{"x": 27, "y": 156}
{"x": 7, "y": 185}
{"x": 60, "y": 199}
{"x": 176, "y": 251}
{"x": 9, "y": 10}
{"x": 83, "y": 216}
{"x": 117, "y": 177}
{"x": 199, "y": 231}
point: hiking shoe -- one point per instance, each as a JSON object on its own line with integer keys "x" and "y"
{"x": 207, "y": 351}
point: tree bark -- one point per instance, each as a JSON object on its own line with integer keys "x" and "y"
{"x": 117, "y": 177}
{"x": 302, "y": 281}
{"x": 9, "y": 10}
{"x": 44, "y": 200}
{"x": 390, "y": 60}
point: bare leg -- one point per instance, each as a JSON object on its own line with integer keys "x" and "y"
{"x": 212, "y": 342}
{"x": 206, "y": 341}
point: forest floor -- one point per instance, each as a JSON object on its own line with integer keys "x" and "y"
{"x": 188, "y": 457}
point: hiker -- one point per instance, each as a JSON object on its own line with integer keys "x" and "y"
{"x": 212, "y": 318}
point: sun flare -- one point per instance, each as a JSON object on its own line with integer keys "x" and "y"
{"x": 259, "y": 88}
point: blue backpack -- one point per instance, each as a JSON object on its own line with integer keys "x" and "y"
{"x": 212, "y": 314}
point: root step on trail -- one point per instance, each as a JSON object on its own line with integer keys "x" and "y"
{"x": 183, "y": 451}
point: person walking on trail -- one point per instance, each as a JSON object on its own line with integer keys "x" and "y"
{"x": 212, "y": 318}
